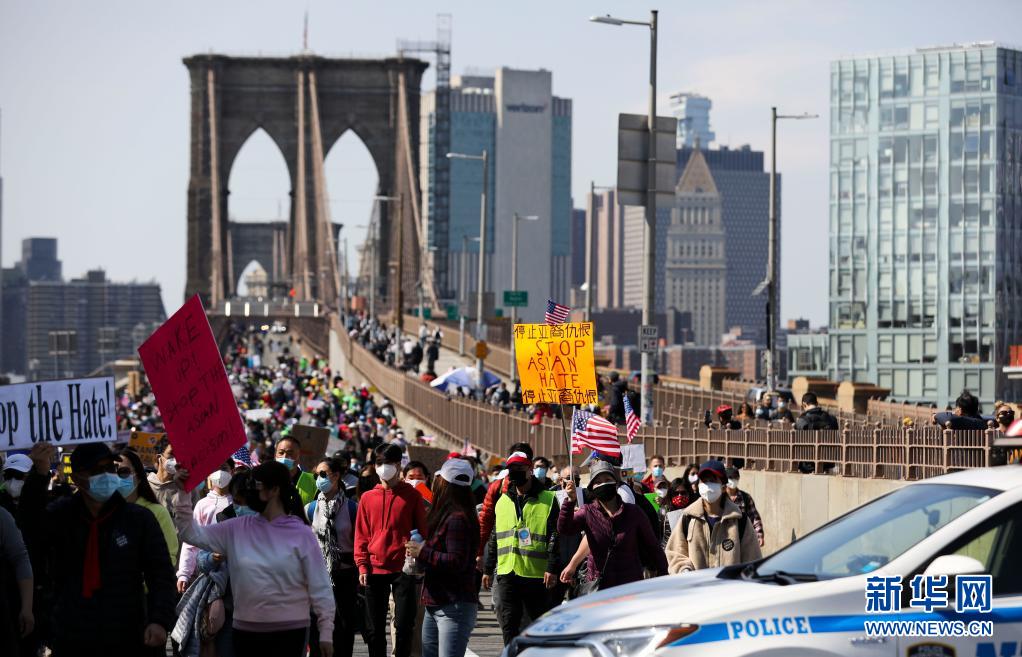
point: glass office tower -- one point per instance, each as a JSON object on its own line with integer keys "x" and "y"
{"x": 926, "y": 221}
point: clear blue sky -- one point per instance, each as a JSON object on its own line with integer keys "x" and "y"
{"x": 95, "y": 102}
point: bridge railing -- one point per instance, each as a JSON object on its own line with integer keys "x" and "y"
{"x": 879, "y": 452}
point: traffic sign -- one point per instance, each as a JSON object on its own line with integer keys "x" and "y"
{"x": 452, "y": 311}
{"x": 482, "y": 351}
{"x": 649, "y": 338}
{"x": 516, "y": 298}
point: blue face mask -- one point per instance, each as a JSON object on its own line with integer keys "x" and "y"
{"x": 126, "y": 486}
{"x": 324, "y": 484}
{"x": 539, "y": 473}
{"x": 658, "y": 471}
{"x": 289, "y": 463}
{"x": 240, "y": 511}
{"x": 103, "y": 486}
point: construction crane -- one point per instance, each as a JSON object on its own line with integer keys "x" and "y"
{"x": 435, "y": 233}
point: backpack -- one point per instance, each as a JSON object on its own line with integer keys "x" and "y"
{"x": 310, "y": 510}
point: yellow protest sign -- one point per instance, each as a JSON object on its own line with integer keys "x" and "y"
{"x": 555, "y": 363}
{"x": 145, "y": 444}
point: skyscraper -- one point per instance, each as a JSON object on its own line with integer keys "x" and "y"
{"x": 926, "y": 220}
{"x": 526, "y": 131}
{"x": 693, "y": 114}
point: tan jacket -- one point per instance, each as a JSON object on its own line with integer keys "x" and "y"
{"x": 703, "y": 548}
{"x": 175, "y": 500}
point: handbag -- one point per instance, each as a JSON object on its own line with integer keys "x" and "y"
{"x": 592, "y": 585}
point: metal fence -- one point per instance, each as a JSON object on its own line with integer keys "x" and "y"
{"x": 682, "y": 437}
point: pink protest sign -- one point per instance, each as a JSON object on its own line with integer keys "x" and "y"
{"x": 195, "y": 399}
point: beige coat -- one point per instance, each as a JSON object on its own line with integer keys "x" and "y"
{"x": 175, "y": 500}
{"x": 703, "y": 548}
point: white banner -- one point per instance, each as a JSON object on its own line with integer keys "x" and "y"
{"x": 65, "y": 413}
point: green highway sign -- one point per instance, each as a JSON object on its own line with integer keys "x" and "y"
{"x": 452, "y": 312}
{"x": 516, "y": 298}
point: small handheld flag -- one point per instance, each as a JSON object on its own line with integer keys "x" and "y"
{"x": 631, "y": 420}
{"x": 556, "y": 313}
{"x": 592, "y": 431}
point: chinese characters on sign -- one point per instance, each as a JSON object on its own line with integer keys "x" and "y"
{"x": 556, "y": 363}
{"x": 929, "y": 592}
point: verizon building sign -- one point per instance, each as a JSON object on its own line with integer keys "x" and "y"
{"x": 65, "y": 413}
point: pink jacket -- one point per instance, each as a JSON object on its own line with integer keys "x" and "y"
{"x": 205, "y": 514}
{"x": 277, "y": 572}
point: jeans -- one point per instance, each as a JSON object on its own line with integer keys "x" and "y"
{"x": 405, "y": 603}
{"x": 517, "y": 595}
{"x": 446, "y": 629}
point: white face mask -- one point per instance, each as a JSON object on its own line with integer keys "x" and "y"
{"x": 387, "y": 471}
{"x": 709, "y": 491}
{"x": 220, "y": 479}
{"x": 414, "y": 482}
{"x": 14, "y": 487}
{"x": 170, "y": 466}
{"x": 693, "y": 478}
{"x": 661, "y": 492}
{"x": 732, "y": 485}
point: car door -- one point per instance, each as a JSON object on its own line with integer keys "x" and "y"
{"x": 997, "y": 544}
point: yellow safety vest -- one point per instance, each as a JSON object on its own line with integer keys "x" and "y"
{"x": 523, "y": 560}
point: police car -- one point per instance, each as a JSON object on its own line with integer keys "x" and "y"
{"x": 810, "y": 598}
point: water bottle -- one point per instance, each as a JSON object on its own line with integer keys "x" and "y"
{"x": 410, "y": 566}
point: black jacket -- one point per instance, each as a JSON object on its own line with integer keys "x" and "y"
{"x": 137, "y": 579}
{"x": 816, "y": 418}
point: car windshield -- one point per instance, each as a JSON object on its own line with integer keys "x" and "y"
{"x": 876, "y": 533}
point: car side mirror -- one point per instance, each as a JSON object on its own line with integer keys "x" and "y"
{"x": 955, "y": 564}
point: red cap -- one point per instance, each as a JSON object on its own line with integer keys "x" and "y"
{"x": 453, "y": 455}
{"x": 518, "y": 457}
{"x": 722, "y": 408}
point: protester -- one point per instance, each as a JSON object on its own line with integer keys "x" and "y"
{"x": 965, "y": 417}
{"x": 387, "y": 514}
{"x": 217, "y": 500}
{"x": 568, "y": 547}
{"x": 813, "y": 416}
{"x": 783, "y": 412}
{"x": 449, "y": 591}
{"x": 764, "y": 409}
{"x": 497, "y": 487}
{"x": 744, "y": 502}
{"x": 287, "y": 452}
{"x": 168, "y": 486}
{"x": 540, "y": 467}
{"x": 16, "y": 617}
{"x": 333, "y": 521}
{"x": 657, "y": 463}
{"x": 523, "y": 547}
{"x": 277, "y": 571}
{"x": 725, "y": 419}
{"x": 1004, "y": 416}
{"x": 417, "y": 475}
{"x": 111, "y": 573}
{"x": 134, "y": 488}
{"x": 15, "y": 471}
{"x": 620, "y": 539}
{"x": 712, "y": 531}
{"x": 746, "y": 413}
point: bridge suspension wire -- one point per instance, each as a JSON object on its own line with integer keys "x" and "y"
{"x": 216, "y": 288}
{"x": 329, "y": 277}
{"x": 301, "y": 259}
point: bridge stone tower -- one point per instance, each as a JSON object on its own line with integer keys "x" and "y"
{"x": 304, "y": 103}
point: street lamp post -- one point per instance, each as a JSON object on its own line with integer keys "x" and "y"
{"x": 481, "y": 281}
{"x": 649, "y": 234}
{"x": 399, "y": 300}
{"x": 514, "y": 282}
{"x": 773, "y": 261}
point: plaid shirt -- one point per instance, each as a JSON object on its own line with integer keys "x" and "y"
{"x": 448, "y": 558}
{"x": 748, "y": 509}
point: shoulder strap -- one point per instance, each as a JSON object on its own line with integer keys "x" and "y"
{"x": 742, "y": 521}
{"x": 686, "y": 520}
{"x": 310, "y": 509}
{"x": 352, "y": 510}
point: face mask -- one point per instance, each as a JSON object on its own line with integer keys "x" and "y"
{"x": 103, "y": 485}
{"x": 14, "y": 487}
{"x": 517, "y": 477}
{"x": 288, "y": 463}
{"x": 661, "y": 492}
{"x": 539, "y": 473}
{"x": 638, "y": 476}
{"x": 555, "y": 477}
{"x": 605, "y": 492}
{"x": 170, "y": 466}
{"x": 709, "y": 491}
{"x": 693, "y": 478}
{"x": 354, "y": 464}
{"x": 126, "y": 486}
{"x": 240, "y": 510}
{"x": 387, "y": 471}
{"x": 324, "y": 484}
{"x": 678, "y": 500}
{"x": 220, "y": 479}
{"x": 732, "y": 485}
{"x": 415, "y": 482}
{"x": 658, "y": 471}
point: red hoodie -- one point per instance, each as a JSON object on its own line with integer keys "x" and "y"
{"x": 386, "y": 517}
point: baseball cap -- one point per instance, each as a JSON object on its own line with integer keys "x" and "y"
{"x": 518, "y": 457}
{"x": 457, "y": 472}
{"x": 85, "y": 457}
{"x": 602, "y": 467}
{"x": 715, "y": 468}
{"x": 723, "y": 408}
{"x": 18, "y": 463}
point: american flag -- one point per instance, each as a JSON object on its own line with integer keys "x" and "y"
{"x": 556, "y": 313}
{"x": 242, "y": 457}
{"x": 631, "y": 420}
{"x": 591, "y": 430}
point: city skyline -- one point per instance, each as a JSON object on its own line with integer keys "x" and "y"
{"x": 117, "y": 166}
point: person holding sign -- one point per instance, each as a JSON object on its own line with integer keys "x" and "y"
{"x": 114, "y": 585}
{"x": 620, "y": 537}
{"x": 277, "y": 569}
